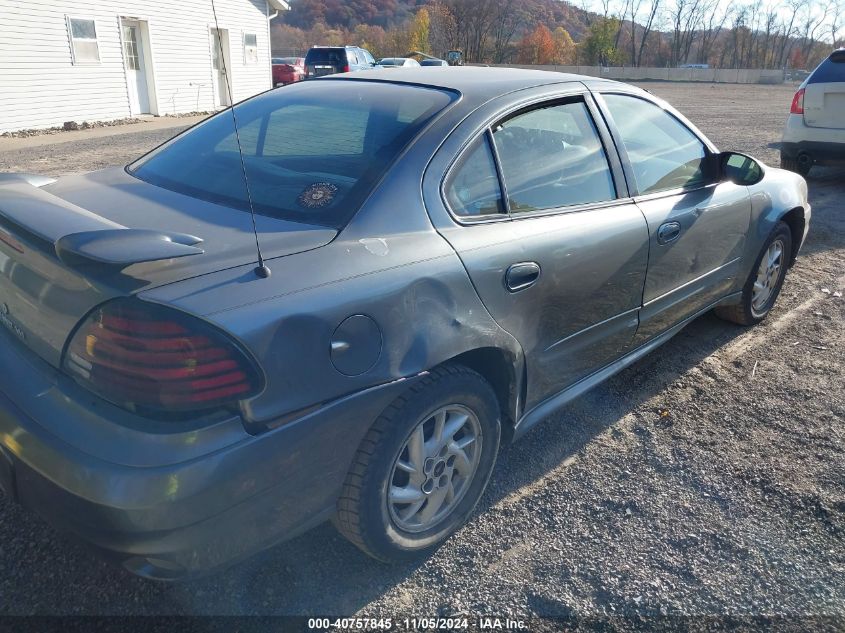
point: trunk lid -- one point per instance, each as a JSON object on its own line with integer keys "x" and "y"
{"x": 325, "y": 61}
{"x": 824, "y": 94}
{"x": 53, "y": 270}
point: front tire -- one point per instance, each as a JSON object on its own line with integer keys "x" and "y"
{"x": 422, "y": 467}
{"x": 763, "y": 286}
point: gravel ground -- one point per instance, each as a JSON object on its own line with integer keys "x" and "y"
{"x": 707, "y": 479}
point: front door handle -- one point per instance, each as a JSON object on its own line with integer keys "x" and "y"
{"x": 521, "y": 276}
{"x": 668, "y": 232}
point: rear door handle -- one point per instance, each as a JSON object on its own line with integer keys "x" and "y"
{"x": 668, "y": 232}
{"x": 521, "y": 276}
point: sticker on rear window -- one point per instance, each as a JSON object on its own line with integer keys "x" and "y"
{"x": 318, "y": 195}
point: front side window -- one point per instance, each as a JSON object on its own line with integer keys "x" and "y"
{"x": 553, "y": 157}
{"x": 664, "y": 153}
{"x": 312, "y": 152}
{"x": 472, "y": 188}
{"x": 83, "y": 39}
{"x": 250, "y": 48}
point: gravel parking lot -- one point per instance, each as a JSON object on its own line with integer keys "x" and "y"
{"x": 707, "y": 479}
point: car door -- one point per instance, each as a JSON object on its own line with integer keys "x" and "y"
{"x": 696, "y": 226}
{"x": 557, "y": 254}
{"x": 368, "y": 59}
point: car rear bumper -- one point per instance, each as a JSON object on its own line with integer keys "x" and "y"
{"x": 185, "y": 518}
{"x": 823, "y": 144}
{"x": 284, "y": 80}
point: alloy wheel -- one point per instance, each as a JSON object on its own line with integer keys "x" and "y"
{"x": 768, "y": 275}
{"x": 435, "y": 468}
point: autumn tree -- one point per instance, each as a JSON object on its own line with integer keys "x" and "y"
{"x": 442, "y": 28}
{"x": 419, "y": 32}
{"x": 537, "y": 47}
{"x": 372, "y": 38}
{"x": 564, "y": 47}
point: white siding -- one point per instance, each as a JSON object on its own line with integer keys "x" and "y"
{"x": 41, "y": 87}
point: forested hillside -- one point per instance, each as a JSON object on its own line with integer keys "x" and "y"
{"x": 720, "y": 33}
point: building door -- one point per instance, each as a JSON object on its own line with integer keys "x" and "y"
{"x": 220, "y": 64}
{"x": 136, "y": 68}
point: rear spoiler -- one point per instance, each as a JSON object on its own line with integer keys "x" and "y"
{"x": 80, "y": 237}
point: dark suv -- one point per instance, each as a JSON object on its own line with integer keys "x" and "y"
{"x": 328, "y": 60}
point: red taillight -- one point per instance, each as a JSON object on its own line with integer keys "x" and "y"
{"x": 145, "y": 357}
{"x": 797, "y": 106}
{"x": 346, "y": 68}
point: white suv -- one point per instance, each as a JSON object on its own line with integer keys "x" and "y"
{"x": 815, "y": 129}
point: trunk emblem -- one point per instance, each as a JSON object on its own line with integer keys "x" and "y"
{"x": 6, "y": 320}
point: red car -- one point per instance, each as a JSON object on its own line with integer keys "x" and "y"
{"x": 287, "y": 70}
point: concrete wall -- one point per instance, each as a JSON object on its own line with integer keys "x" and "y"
{"x": 711, "y": 75}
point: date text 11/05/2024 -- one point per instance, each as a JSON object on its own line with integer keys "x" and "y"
{"x": 484, "y": 623}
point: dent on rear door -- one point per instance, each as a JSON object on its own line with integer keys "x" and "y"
{"x": 582, "y": 311}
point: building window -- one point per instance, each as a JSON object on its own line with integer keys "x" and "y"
{"x": 83, "y": 40}
{"x": 250, "y": 48}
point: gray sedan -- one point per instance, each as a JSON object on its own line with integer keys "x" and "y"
{"x": 344, "y": 306}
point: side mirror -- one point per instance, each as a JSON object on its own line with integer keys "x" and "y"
{"x": 739, "y": 169}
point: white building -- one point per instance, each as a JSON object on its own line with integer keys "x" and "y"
{"x": 98, "y": 60}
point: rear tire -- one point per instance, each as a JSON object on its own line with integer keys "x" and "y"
{"x": 764, "y": 283}
{"x": 403, "y": 457}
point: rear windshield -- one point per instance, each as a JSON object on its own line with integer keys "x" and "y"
{"x": 326, "y": 56}
{"x": 312, "y": 152}
{"x": 831, "y": 70}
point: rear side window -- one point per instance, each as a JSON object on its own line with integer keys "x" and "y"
{"x": 553, "y": 157}
{"x": 472, "y": 188}
{"x": 664, "y": 154}
{"x": 335, "y": 56}
{"x": 312, "y": 153}
{"x": 831, "y": 70}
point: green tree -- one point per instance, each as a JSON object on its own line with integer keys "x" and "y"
{"x": 599, "y": 45}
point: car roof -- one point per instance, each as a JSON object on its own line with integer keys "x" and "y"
{"x": 475, "y": 80}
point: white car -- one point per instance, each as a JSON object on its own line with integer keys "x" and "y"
{"x": 397, "y": 62}
{"x": 815, "y": 129}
